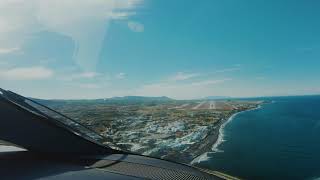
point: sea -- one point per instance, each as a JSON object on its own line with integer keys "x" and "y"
{"x": 279, "y": 140}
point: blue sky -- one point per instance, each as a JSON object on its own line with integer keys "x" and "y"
{"x": 181, "y": 49}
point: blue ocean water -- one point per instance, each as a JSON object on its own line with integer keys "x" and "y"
{"x": 280, "y": 140}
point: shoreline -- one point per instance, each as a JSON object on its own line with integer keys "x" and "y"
{"x": 215, "y": 138}
{"x": 221, "y": 128}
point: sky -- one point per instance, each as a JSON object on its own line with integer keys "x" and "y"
{"x": 183, "y": 49}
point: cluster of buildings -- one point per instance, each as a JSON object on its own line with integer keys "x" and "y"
{"x": 158, "y": 129}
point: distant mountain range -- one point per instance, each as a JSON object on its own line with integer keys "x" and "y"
{"x": 140, "y": 98}
{"x": 128, "y": 99}
{"x": 124, "y": 99}
{"x": 217, "y": 97}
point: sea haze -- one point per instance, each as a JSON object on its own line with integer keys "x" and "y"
{"x": 281, "y": 140}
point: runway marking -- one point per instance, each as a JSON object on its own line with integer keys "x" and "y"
{"x": 198, "y": 105}
{"x": 212, "y": 105}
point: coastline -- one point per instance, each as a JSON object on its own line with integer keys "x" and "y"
{"x": 214, "y": 139}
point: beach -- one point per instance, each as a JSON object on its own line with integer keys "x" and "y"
{"x": 197, "y": 152}
{"x": 213, "y": 139}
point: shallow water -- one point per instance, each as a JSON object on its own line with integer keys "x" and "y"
{"x": 281, "y": 140}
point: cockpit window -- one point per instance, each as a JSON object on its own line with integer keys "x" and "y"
{"x": 231, "y": 86}
{"x": 65, "y": 120}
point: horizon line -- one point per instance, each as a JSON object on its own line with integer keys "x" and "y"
{"x": 203, "y": 98}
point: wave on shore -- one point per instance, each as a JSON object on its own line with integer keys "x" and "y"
{"x": 220, "y": 140}
{"x": 221, "y": 134}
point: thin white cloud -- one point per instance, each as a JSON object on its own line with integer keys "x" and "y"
{"x": 47, "y": 61}
{"x": 228, "y": 70}
{"x": 88, "y": 74}
{"x": 121, "y": 75}
{"x": 305, "y": 49}
{"x": 209, "y": 82}
{"x": 120, "y": 15}
{"x": 26, "y": 73}
{"x": 180, "y": 76}
{"x": 80, "y": 76}
{"x": 89, "y": 86}
{"x": 182, "y": 86}
{"x": 192, "y": 90}
{"x": 8, "y": 50}
{"x": 135, "y": 26}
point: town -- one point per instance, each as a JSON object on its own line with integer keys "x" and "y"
{"x": 167, "y": 129}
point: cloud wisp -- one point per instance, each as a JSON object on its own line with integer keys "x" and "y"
{"x": 135, "y": 26}
{"x": 89, "y": 86}
{"x": 26, "y": 73}
{"x": 227, "y": 70}
{"x": 180, "y": 76}
{"x": 8, "y": 50}
{"x": 79, "y": 76}
{"x": 177, "y": 87}
{"x": 121, "y": 75}
{"x": 209, "y": 82}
